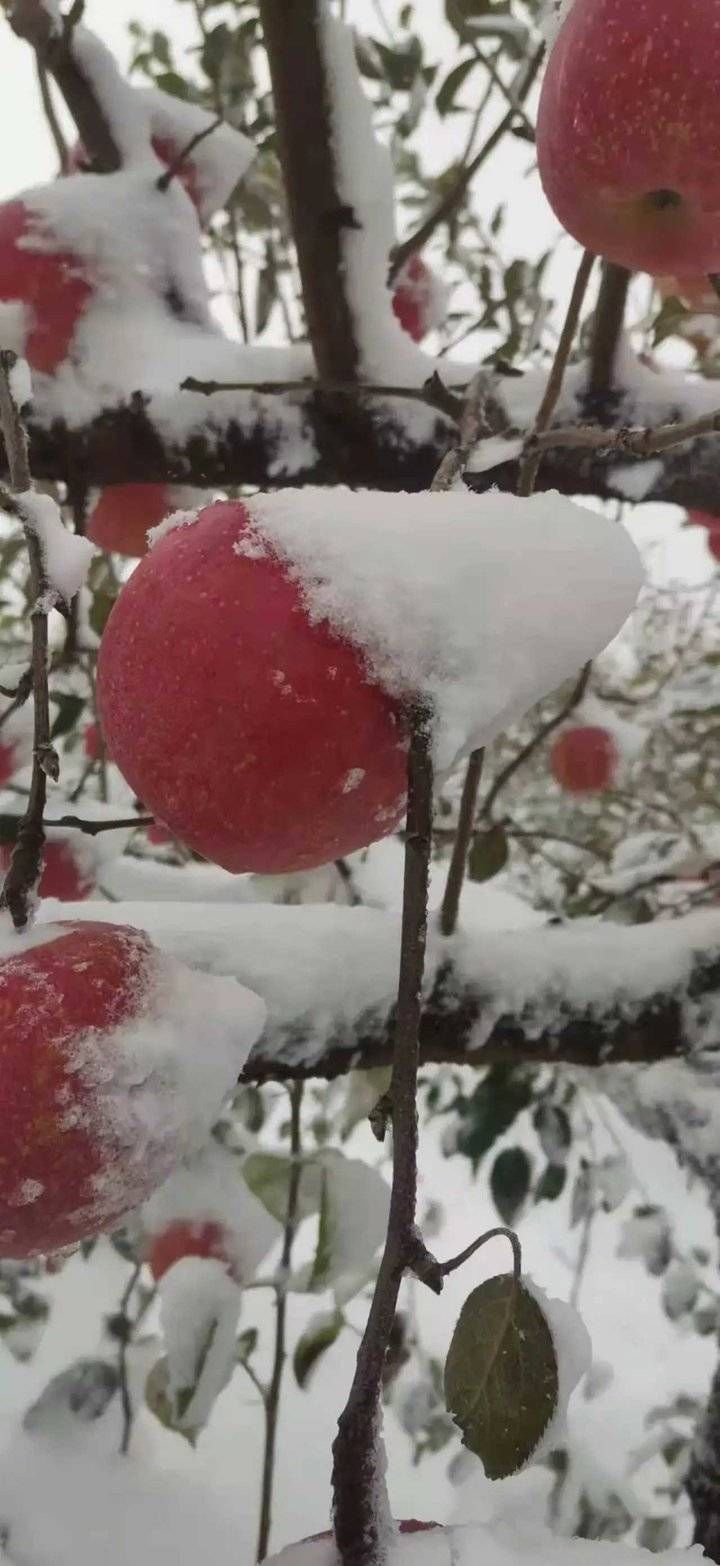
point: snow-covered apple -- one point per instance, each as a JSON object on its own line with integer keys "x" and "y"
{"x": 105, "y": 1087}
{"x": 124, "y": 513}
{"x": 65, "y": 875}
{"x": 584, "y": 760}
{"x": 188, "y": 1237}
{"x": 45, "y": 282}
{"x": 166, "y": 151}
{"x": 628, "y": 136}
{"x": 299, "y": 1550}
{"x": 418, "y": 298}
{"x": 265, "y": 746}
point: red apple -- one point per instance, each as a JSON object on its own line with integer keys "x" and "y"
{"x": 63, "y": 875}
{"x": 123, "y": 514}
{"x": 186, "y": 1237}
{"x": 628, "y": 133}
{"x": 94, "y": 742}
{"x": 415, "y": 298}
{"x": 713, "y": 541}
{"x": 91, "y": 1119}
{"x": 584, "y": 760}
{"x": 253, "y": 733}
{"x": 158, "y": 835}
{"x": 8, "y": 763}
{"x": 48, "y": 282}
{"x": 407, "y": 1525}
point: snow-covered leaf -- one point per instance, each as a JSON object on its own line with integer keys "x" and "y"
{"x": 83, "y": 1390}
{"x": 501, "y": 1375}
{"x": 199, "y": 1310}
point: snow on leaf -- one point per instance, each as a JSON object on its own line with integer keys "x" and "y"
{"x": 267, "y": 1175}
{"x": 84, "y": 1390}
{"x": 199, "y": 1310}
{"x": 320, "y": 1333}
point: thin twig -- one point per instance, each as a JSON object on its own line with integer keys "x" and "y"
{"x": 125, "y": 1331}
{"x": 178, "y": 163}
{"x": 26, "y": 862}
{"x": 530, "y": 461}
{"x": 360, "y": 1506}
{"x": 94, "y": 828}
{"x": 448, "y": 206}
{"x": 433, "y": 391}
{"x": 450, "y": 907}
{"x": 492, "y": 1234}
{"x": 536, "y": 740}
{"x": 607, "y": 326}
{"x": 640, "y": 443}
{"x": 271, "y": 1400}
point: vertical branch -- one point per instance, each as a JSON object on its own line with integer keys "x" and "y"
{"x": 271, "y": 1397}
{"x": 53, "y": 46}
{"x": 360, "y": 1505}
{"x": 26, "y": 863}
{"x": 532, "y": 458}
{"x": 450, "y": 908}
{"x": 318, "y": 215}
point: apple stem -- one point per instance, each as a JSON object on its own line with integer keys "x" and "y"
{"x": 531, "y": 459}
{"x": 271, "y": 1398}
{"x": 606, "y": 328}
{"x": 26, "y": 863}
{"x": 360, "y": 1505}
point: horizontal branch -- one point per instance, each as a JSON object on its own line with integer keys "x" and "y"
{"x": 387, "y": 440}
{"x": 590, "y": 996}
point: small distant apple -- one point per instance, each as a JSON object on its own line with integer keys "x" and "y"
{"x": 417, "y": 297}
{"x": 187, "y": 1237}
{"x": 124, "y": 513}
{"x": 584, "y": 760}
{"x": 63, "y": 875}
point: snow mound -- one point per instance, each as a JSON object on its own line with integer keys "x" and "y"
{"x": 66, "y": 556}
{"x": 219, "y": 161}
{"x": 477, "y": 605}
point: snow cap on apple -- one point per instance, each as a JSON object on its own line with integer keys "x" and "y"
{"x": 289, "y": 636}
{"x": 206, "y": 1210}
{"x": 115, "y": 1060}
{"x": 628, "y": 137}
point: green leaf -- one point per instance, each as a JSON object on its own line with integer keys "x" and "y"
{"x": 246, "y": 1344}
{"x": 319, "y": 1335}
{"x": 100, "y": 610}
{"x": 445, "y": 99}
{"x": 488, "y": 854}
{"x": 554, "y": 1132}
{"x": 323, "y": 1258}
{"x": 68, "y": 712}
{"x": 657, "y": 1534}
{"x": 496, "y": 1102}
{"x": 162, "y": 1404}
{"x": 551, "y": 1183}
{"x": 268, "y": 1177}
{"x": 510, "y": 1182}
{"x": 501, "y": 1375}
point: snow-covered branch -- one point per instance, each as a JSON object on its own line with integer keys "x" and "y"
{"x": 589, "y": 994}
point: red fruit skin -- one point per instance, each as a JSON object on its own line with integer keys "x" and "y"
{"x": 62, "y": 876}
{"x": 704, "y": 519}
{"x": 713, "y": 541}
{"x": 8, "y": 763}
{"x": 629, "y": 108}
{"x": 245, "y": 740}
{"x": 158, "y": 835}
{"x": 409, "y": 298}
{"x": 584, "y": 760}
{"x": 407, "y": 1525}
{"x": 94, "y": 743}
{"x": 123, "y": 513}
{"x": 187, "y": 1238}
{"x": 59, "y": 1003}
{"x": 49, "y": 283}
